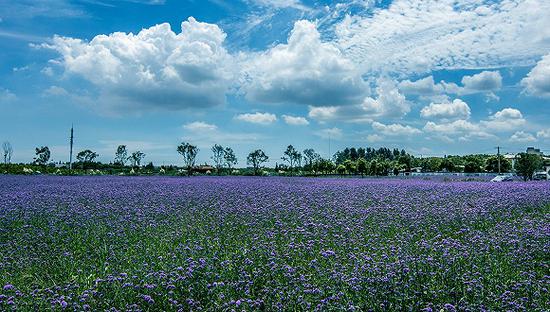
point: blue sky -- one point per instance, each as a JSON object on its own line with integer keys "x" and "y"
{"x": 433, "y": 77}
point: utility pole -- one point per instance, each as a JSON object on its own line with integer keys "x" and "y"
{"x": 498, "y": 157}
{"x": 71, "y": 149}
{"x": 329, "y": 156}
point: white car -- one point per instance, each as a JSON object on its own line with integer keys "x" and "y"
{"x": 502, "y": 178}
{"x": 541, "y": 175}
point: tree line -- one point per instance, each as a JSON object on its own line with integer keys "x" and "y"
{"x": 349, "y": 161}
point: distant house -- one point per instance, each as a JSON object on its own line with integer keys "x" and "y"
{"x": 535, "y": 151}
{"x": 204, "y": 169}
{"x": 511, "y": 158}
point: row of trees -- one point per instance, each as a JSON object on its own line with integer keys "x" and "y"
{"x": 363, "y": 161}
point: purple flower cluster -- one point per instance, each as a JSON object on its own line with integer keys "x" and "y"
{"x": 275, "y": 244}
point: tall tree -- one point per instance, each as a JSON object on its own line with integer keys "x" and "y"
{"x": 8, "y": 151}
{"x": 256, "y": 159}
{"x": 229, "y": 158}
{"x": 292, "y": 156}
{"x": 86, "y": 157}
{"x": 189, "y": 153}
{"x": 218, "y": 153}
{"x": 136, "y": 158}
{"x": 362, "y": 166}
{"x": 350, "y": 166}
{"x": 310, "y": 157}
{"x": 527, "y": 165}
{"x": 42, "y": 155}
{"x": 121, "y": 155}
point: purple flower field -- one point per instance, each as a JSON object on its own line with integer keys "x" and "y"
{"x": 273, "y": 244}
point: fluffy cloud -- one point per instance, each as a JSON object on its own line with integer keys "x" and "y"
{"x": 200, "y": 126}
{"x": 416, "y": 36}
{"x": 424, "y": 86}
{"x": 537, "y": 82}
{"x": 304, "y": 71}
{"x": 389, "y": 102}
{"x": 155, "y": 68}
{"x": 295, "y": 121}
{"x": 394, "y": 129}
{"x": 544, "y": 134}
{"x": 505, "y": 120}
{"x": 257, "y": 118}
{"x": 486, "y": 81}
{"x": 522, "y": 137}
{"x": 463, "y": 129}
{"x": 457, "y": 126}
{"x": 456, "y": 109}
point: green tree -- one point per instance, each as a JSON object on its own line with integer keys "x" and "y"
{"x": 310, "y": 157}
{"x": 448, "y": 164}
{"x": 362, "y": 166}
{"x": 256, "y": 159}
{"x": 341, "y": 169}
{"x": 492, "y": 164}
{"x": 42, "y": 155}
{"x": 373, "y": 167}
{"x": 472, "y": 167}
{"x": 86, "y": 156}
{"x": 434, "y": 164}
{"x": 218, "y": 153}
{"x": 8, "y": 151}
{"x": 405, "y": 161}
{"x": 189, "y": 153}
{"x": 136, "y": 158}
{"x": 121, "y": 155}
{"x": 292, "y": 156}
{"x": 350, "y": 166}
{"x": 527, "y": 165}
{"x": 229, "y": 158}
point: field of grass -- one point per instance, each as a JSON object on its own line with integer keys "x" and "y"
{"x": 273, "y": 244}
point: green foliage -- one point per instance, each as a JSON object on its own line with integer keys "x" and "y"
{"x": 189, "y": 153}
{"x": 121, "y": 155}
{"x": 292, "y": 156}
{"x": 528, "y": 164}
{"x": 42, "y": 155}
{"x": 362, "y": 166}
{"x": 218, "y": 153}
{"x": 229, "y": 157}
{"x": 491, "y": 164}
{"x": 86, "y": 157}
{"x": 136, "y": 158}
{"x": 341, "y": 169}
{"x": 256, "y": 159}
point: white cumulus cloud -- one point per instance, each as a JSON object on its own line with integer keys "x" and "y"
{"x": 486, "y": 81}
{"x": 456, "y": 109}
{"x": 394, "y": 129}
{"x": 537, "y": 82}
{"x": 522, "y": 137}
{"x": 199, "y": 126}
{"x": 505, "y": 120}
{"x": 304, "y": 71}
{"x": 257, "y": 118}
{"x": 155, "y": 68}
{"x": 295, "y": 120}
